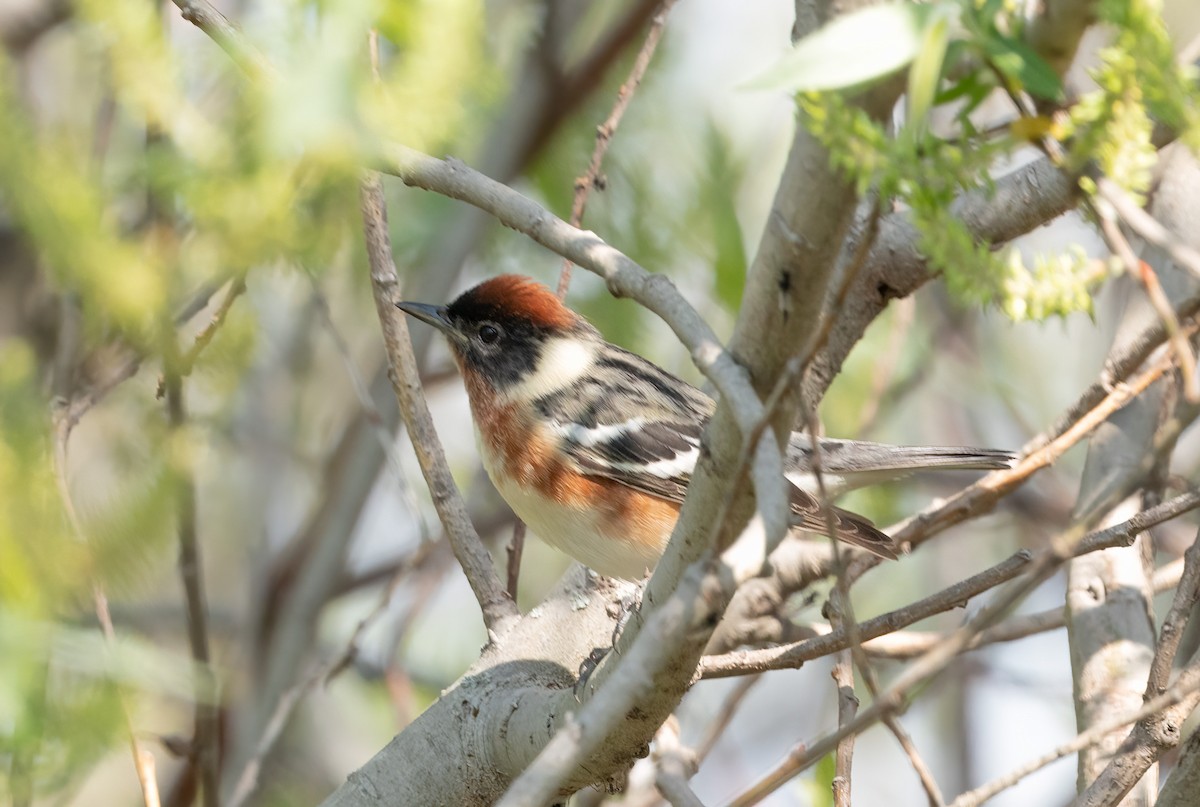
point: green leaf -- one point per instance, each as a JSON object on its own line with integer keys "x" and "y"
{"x": 926, "y": 71}
{"x": 717, "y": 195}
{"x": 821, "y": 790}
{"x": 851, "y": 50}
{"x": 1020, "y": 63}
{"x": 974, "y": 87}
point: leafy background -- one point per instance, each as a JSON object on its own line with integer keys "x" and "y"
{"x": 139, "y": 170}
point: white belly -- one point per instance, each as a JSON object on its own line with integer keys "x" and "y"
{"x": 576, "y": 531}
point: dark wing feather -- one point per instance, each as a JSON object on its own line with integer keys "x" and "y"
{"x": 592, "y": 420}
{"x": 849, "y": 527}
{"x": 655, "y": 453}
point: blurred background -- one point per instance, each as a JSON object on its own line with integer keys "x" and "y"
{"x": 156, "y": 201}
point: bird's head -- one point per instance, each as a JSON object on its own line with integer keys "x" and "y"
{"x": 514, "y": 335}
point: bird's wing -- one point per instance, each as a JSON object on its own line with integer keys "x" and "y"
{"x": 656, "y": 451}
{"x": 852, "y": 528}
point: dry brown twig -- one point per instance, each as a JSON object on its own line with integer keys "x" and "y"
{"x": 191, "y": 573}
{"x": 910, "y": 644}
{"x": 1184, "y": 686}
{"x": 794, "y": 655}
{"x": 790, "y": 656}
{"x": 1041, "y": 451}
{"x": 187, "y": 361}
{"x": 499, "y": 610}
{"x": 941, "y": 655}
{"x": 1142, "y": 272}
{"x": 847, "y": 707}
{"x": 143, "y": 759}
{"x": 1153, "y": 734}
{"x": 592, "y": 177}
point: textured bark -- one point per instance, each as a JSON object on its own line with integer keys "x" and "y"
{"x": 1112, "y": 640}
{"x": 1110, "y": 625}
{"x": 1183, "y": 784}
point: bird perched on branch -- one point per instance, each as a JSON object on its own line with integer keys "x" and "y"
{"x": 593, "y": 446}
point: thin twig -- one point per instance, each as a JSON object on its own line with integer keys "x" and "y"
{"x": 143, "y": 759}
{"x": 859, "y": 657}
{"x": 728, "y": 709}
{"x": 1038, "y": 453}
{"x": 847, "y": 701}
{"x": 1145, "y": 275}
{"x": 499, "y": 610}
{"x": 794, "y": 655}
{"x": 247, "y": 780}
{"x": 910, "y": 644}
{"x": 1153, "y": 734}
{"x": 516, "y": 548}
{"x": 592, "y": 178}
{"x": 932, "y": 792}
{"x": 1175, "y": 621}
{"x": 1148, "y": 227}
{"x": 205, "y": 16}
{"x": 1062, "y": 547}
{"x": 191, "y": 573}
{"x": 1187, "y": 684}
{"x": 187, "y": 362}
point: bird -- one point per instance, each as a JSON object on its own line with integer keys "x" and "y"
{"x": 593, "y": 446}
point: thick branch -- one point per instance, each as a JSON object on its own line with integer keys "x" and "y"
{"x": 1023, "y": 200}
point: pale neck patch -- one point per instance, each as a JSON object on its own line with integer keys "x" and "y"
{"x": 563, "y": 361}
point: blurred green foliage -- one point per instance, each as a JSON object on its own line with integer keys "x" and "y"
{"x": 157, "y": 170}
{"x": 1109, "y": 129}
{"x": 197, "y": 176}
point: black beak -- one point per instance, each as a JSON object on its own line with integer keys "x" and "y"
{"x": 435, "y": 315}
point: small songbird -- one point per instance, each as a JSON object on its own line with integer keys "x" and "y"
{"x": 593, "y": 446}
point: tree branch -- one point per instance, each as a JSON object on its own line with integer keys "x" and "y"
{"x": 592, "y": 178}
{"x": 1185, "y": 688}
{"x": 191, "y": 572}
{"x": 499, "y": 610}
{"x": 957, "y": 595}
{"x": 1154, "y": 734}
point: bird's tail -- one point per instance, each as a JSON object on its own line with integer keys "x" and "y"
{"x": 856, "y": 456}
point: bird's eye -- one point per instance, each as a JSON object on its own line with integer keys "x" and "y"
{"x": 488, "y": 334}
